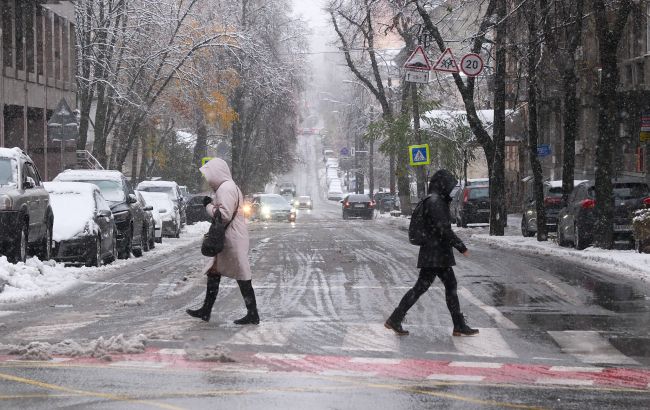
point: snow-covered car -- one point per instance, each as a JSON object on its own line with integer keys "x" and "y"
{"x": 335, "y": 191}
{"x": 171, "y": 189}
{"x": 127, "y": 212}
{"x": 167, "y": 211}
{"x": 149, "y": 226}
{"x": 84, "y": 229}
{"x": 26, "y": 217}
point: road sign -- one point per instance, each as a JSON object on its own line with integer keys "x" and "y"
{"x": 419, "y": 155}
{"x": 447, "y": 62}
{"x": 418, "y": 60}
{"x": 417, "y": 76}
{"x": 345, "y": 152}
{"x": 543, "y": 150}
{"x": 204, "y": 160}
{"x": 471, "y": 64}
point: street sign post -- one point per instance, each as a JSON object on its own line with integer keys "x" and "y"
{"x": 419, "y": 155}
{"x": 417, "y": 67}
{"x": 471, "y": 64}
{"x": 416, "y": 76}
{"x": 543, "y": 150}
{"x": 447, "y": 62}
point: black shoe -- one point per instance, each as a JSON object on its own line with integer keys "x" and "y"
{"x": 251, "y": 318}
{"x": 461, "y": 328}
{"x": 396, "y": 327}
{"x": 211, "y": 291}
{"x": 199, "y": 313}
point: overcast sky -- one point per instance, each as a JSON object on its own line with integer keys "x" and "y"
{"x": 312, "y": 12}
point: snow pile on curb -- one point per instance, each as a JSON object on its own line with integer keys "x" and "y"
{"x": 210, "y": 354}
{"x": 99, "y": 348}
{"x": 34, "y": 279}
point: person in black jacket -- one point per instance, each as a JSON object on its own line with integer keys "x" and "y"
{"x": 436, "y": 257}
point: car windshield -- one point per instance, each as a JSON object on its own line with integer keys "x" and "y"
{"x": 359, "y": 198}
{"x": 623, "y": 191}
{"x": 112, "y": 190}
{"x": 305, "y": 198}
{"x": 274, "y": 201}
{"x": 164, "y": 189}
{"x": 479, "y": 193}
{"x": 7, "y": 171}
{"x": 555, "y": 192}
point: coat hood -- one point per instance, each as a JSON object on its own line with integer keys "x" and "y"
{"x": 442, "y": 182}
{"x": 216, "y": 172}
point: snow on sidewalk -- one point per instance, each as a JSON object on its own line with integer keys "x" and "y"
{"x": 624, "y": 262}
{"x": 35, "y": 279}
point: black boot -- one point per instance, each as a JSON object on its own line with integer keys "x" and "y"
{"x": 461, "y": 328}
{"x": 211, "y": 291}
{"x": 252, "y": 317}
{"x": 395, "y": 326}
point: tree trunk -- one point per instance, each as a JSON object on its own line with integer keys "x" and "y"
{"x": 570, "y": 113}
{"x": 538, "y": 174}
{"x": 134, "y": 160}
{"x": 497, "y": 180}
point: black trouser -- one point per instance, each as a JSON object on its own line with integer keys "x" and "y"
{"x": 245, "y": 287}
{"x": 426, "y": 278}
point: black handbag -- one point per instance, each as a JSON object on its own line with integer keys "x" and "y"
{"x": 214, "y": 240}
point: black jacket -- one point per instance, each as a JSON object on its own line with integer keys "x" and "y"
{"x": 438, "y": 252}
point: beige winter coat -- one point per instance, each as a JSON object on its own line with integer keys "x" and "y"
{"x": 233, "y": 260}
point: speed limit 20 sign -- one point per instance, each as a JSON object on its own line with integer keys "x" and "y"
{"x": 471, "y": 65}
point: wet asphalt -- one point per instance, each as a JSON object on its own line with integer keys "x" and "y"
{"x": 324, "y": 287}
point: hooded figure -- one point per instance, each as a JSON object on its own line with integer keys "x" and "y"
{"x": 436, "y": 257}
{"x": 232, "y": 261}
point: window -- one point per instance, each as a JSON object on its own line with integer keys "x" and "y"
{"x": 19, "y": 35}
{"x": 30, "y": 172}
{"x": 7, "y": 32}
{"x": 57, "y": 48}
{"x": 101, "y": 203}
{"x": 39, "y": 40}
{"x": 28, "y": 10}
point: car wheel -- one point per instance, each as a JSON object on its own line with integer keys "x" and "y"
{"x": 152, "y": 238}
{"x": 125, "y": 251}
{"x": 578, "y": 241}
{"x": 113, "y": 255}
{"x": 45, "y": 248}
{"x": 145, "y": 241}
{"x": 96, "y": 259}
{"x": 20, "y": 248}
{"x": 159, "y": 240}
{"x": 560, "y": 237}
{"x": 137, "y": 252}
{"x": 177, "y": 234}
{"x": 524, "y": 229}
{"x": 345, "y": 216}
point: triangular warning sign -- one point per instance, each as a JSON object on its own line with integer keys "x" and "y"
{"x": 447, "y": 62}
{"x": 419, "y": 156}
{"x": 418, "y": 60}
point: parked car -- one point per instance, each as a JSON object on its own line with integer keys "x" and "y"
{"x": 387, "y": 203}
{"x": 552, "y": 205}
{"x": 303, "y": 202}
{"x": 26, "y": 217}
{"x": 172, "y": 190}
{"x": 195, "y": 211}
{"x": 170, "y": 217}
{"x": 185, "y": 193}
{"x": 84, "y": 229}
{"x": 272, "y": 207}
{"x": 472, "y": 205}
{"x": 127, "y": 212}
{"x": 335, "y": 191}
{"x": 577, "y": 218}
{"x": 287, "y": 188}
{"x": 149, "y": 228}
{"x": 358, "y": 205}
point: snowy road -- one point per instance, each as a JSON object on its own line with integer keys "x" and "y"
{"x": 554, "y": 333}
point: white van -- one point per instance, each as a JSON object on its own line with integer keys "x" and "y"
{"x": 335, "y": 191}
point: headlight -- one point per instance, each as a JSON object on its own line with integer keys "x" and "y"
{"x": 247, "y": 209}
{"x": 6, "y": 202}
{"x": 121, "y": 216}
{"x": 266, "y": 211}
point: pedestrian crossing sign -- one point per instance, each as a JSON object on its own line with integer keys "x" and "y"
{"x": 205, "y": 160}
{"x": 419, "y": 155}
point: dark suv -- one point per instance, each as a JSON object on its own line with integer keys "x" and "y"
{"x": 127, "y": 212}
{"x": 472, "y": 205}
{"x": 577, "y": 218}
{"x": 26, "y": 217}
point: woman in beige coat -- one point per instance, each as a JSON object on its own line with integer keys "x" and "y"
{"x": 232, "y": 262}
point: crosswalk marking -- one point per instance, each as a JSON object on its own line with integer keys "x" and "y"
{"x": 371, "y": 337}
{"x": 269, "y": 334}
{"x": 576, "y": 369}
{"x": 455, "y": 378}
{"x": 491, "y": 311}
{"x": 280, "y": 356}
{"x": 589, "y": 347}
{"x": 43, "y": 332}
{"x": 564, "y": 382}
{"x": 489, "y": 343}
{"x": 477, "y": 365}
{"x": 178, "y": 352}
{"x": 375, "y": 360}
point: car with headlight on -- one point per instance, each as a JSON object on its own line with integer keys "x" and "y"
{"x": 168, "y": 212}
{"x": 84, "y": 230}
{"x": 127, "y": 211}
{"x": 272, "y": 207}
{"x": 303, "y": 202}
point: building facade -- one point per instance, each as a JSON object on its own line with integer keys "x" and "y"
{"x": 37, "y": 53}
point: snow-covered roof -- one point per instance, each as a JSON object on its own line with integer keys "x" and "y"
{"x": 168, "y": 184}
{"x": 88, "y": 175}
{"x": 158, "y": 200}
{"x": 11, "y": 152}
{"x": 73, "y": 206}
{"x": 558, "y": 183}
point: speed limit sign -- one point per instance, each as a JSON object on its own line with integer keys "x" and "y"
{"x": 471, "y": 64}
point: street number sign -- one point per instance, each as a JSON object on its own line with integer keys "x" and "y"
{"x": 543, "y": 150}
{"x": 419, "y": 155}
{"x": 416, "y": 76}
{"x": 471, "y": 64}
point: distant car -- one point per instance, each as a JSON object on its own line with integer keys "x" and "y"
{"x": 473, "y": 205}
{"x": 387, "y": 203}
{"x": 303, "y": 202}
{"x": 26, "y": 217}
{"x": 172, "y": 190}
{"x": 84, "y": 229}
{"x": 287, "y": 188}
{"x": 272, "y": 207}
{"x": 168, "y": 212}
{"x": 127, "y": 212}
{"x": 552, "y": 205}
{"x": 358, "y": 205}
{"x": 335, "y": 191}
{"x": 149, "y": 229}
{"x": 577, "y": 218}
{"x": 195, "y": 211}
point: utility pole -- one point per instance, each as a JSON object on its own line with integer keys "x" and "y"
{"x": 419, "y": 171}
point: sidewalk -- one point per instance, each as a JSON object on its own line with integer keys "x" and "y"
{"x": 624, "y": 262}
